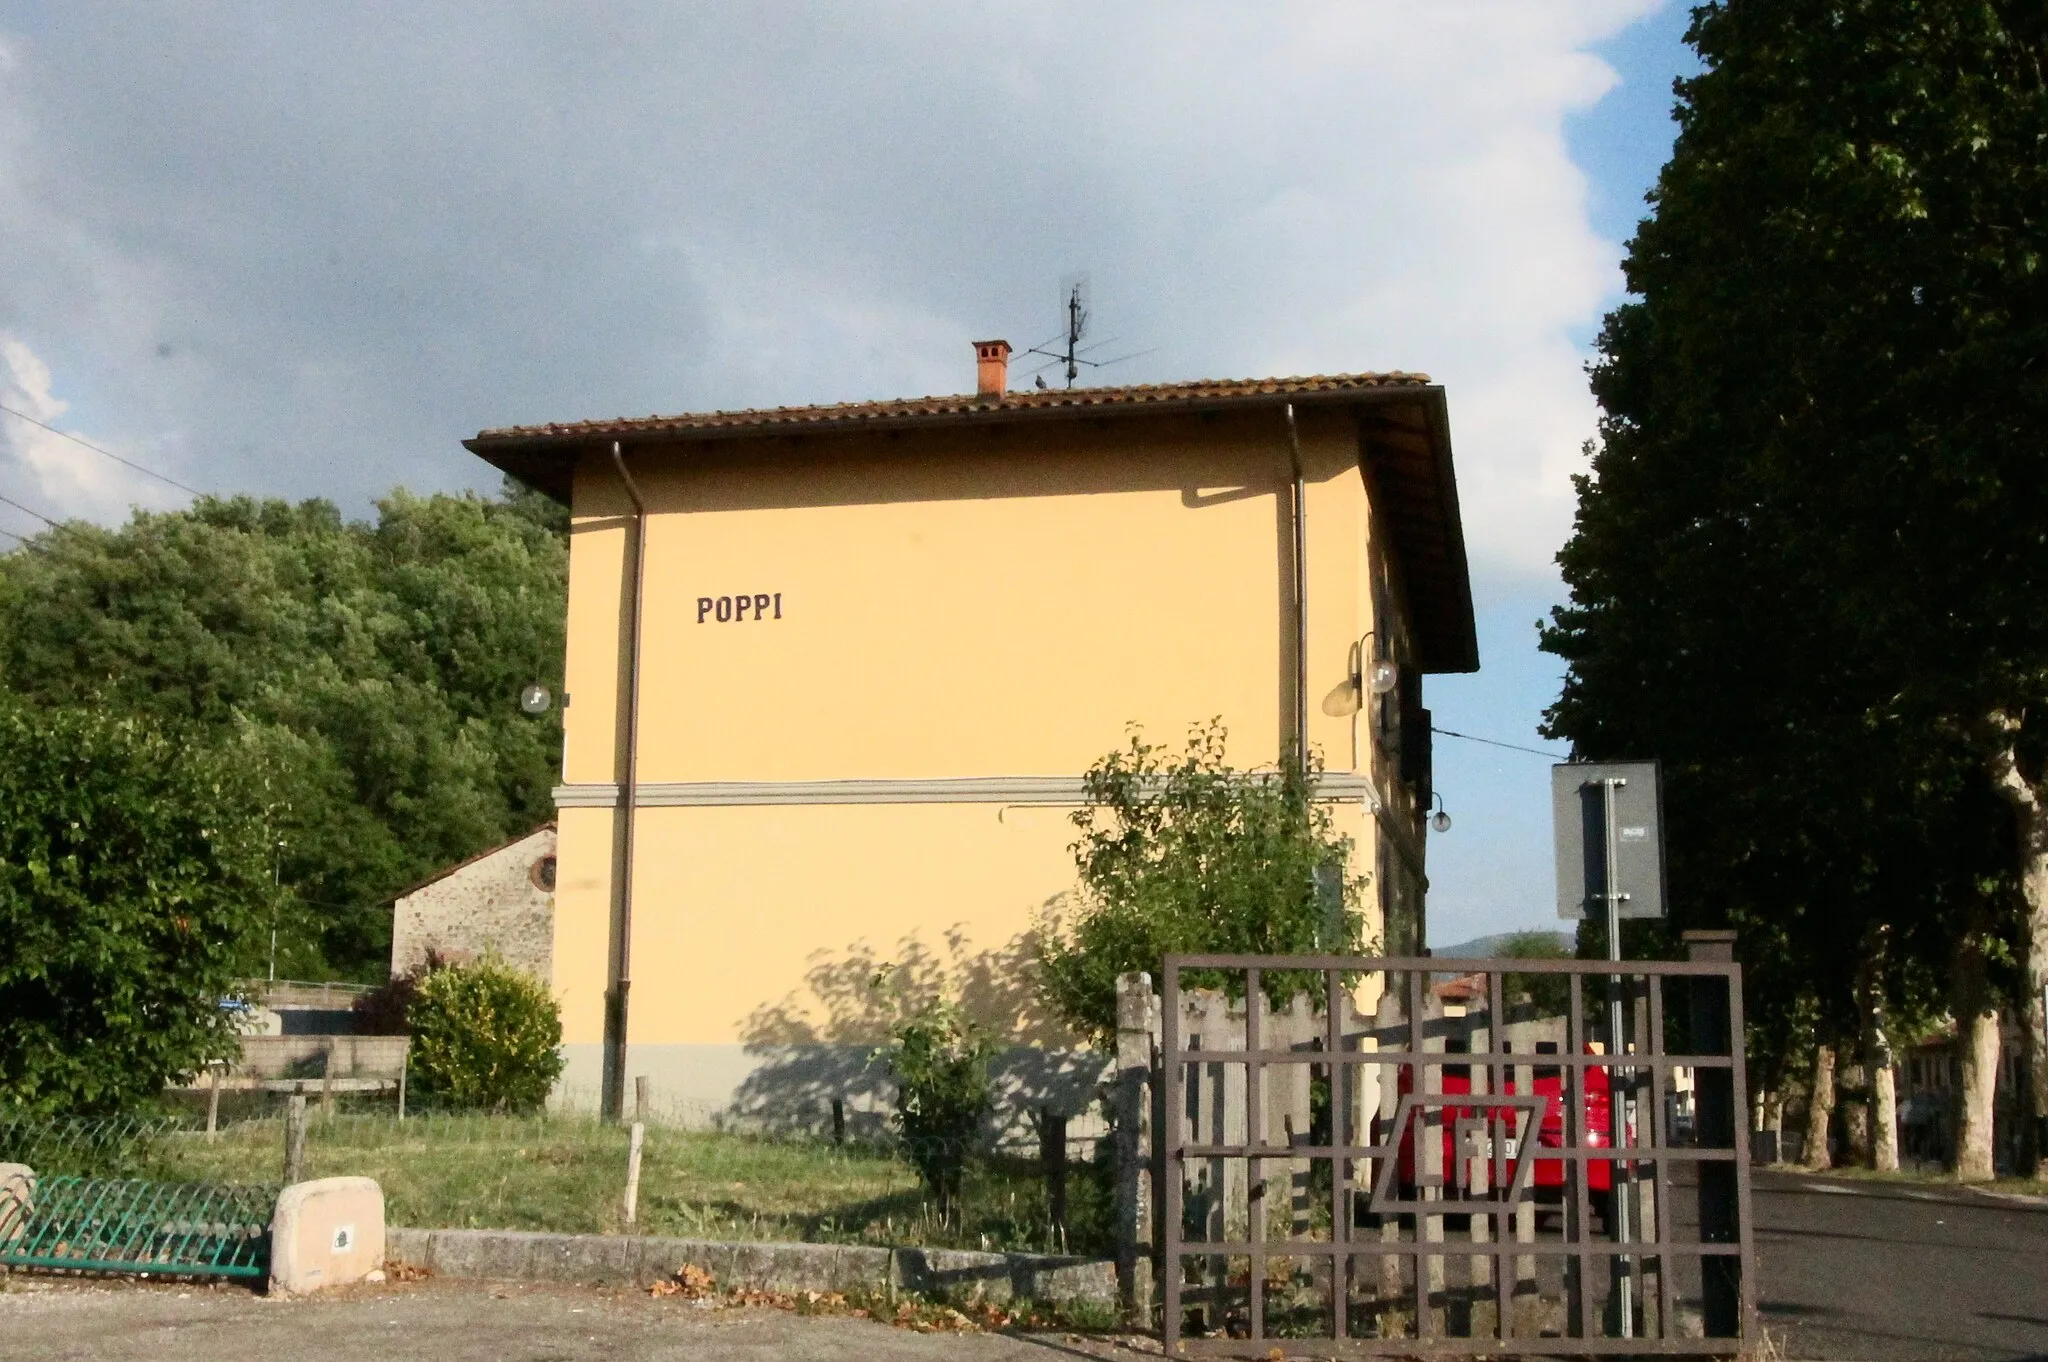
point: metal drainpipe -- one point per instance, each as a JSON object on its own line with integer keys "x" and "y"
{"x": 1300, "y": 595}
{"x": 613, "y": 1098}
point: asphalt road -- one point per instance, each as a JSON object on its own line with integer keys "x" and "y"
{"x": 1875, "y": 1271}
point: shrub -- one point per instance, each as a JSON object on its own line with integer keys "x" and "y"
{"x": 941, "y": 1064}
{"x": 134, "y": 890}
{"x": 486, "y": 1036}
{"x": 1188, "y": 854}
{"x": 386, "y": 1009}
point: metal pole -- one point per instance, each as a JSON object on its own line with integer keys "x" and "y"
{"x": 612, "y": 1097}
{"x": 1617, "y": 1125}
{"x": 1299, "y": 526}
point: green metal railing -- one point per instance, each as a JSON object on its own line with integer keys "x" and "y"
{"x": 90, "y": 1146}
{"x": 127, "y": 1225}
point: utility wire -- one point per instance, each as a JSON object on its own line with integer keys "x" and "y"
{"x": 130, "y": 463}
{"x": 27, "y": 511}
{"x": 1495, "y": 742}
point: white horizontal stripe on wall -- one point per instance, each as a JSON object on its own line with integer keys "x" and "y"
{"x": 1052, "y": 790}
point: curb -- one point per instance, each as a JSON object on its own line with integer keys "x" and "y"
{"x": 607, "y": 1259}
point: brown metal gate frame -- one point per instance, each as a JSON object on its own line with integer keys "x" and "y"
{"x": 1721, "y": 1248}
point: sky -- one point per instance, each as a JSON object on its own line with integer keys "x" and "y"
{"x": 300, "y": 250}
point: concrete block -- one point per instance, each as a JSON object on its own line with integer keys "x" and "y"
{"x": 516, "y": 1255}
{"x": 327, "y": 1232}
{"x": 17, "y": 1196}
{"x": 964, "y": 1275}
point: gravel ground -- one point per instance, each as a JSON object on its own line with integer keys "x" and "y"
{"x": 43, "y": 1321}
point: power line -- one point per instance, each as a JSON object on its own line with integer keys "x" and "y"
{"x": 130, "y": 463}
{"x": 1495, "y": 742}
{"x": 25, "y": 510}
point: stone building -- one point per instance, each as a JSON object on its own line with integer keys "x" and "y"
{"x": 500, "y": 902}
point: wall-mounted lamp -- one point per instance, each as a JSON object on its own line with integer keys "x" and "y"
{"x": 535, "y": 699}
{"x": 1369, "y": 675}
{"x": 1441, "y": 819}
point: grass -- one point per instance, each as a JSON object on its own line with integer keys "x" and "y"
{"x": 567, "y": 1174}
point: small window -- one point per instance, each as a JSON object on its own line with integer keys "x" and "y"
{"x": 544, "y": 874}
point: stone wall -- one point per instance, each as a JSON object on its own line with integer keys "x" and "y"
{"x": 501, "y": 903}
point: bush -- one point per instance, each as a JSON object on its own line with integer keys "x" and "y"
{"x": 1188, "y": 854}
{"x": 941, "y": 1064}
{"x": 484, "y": 1036}
{"x": 386, "y": 1010}
{"x": 134, "y": 891}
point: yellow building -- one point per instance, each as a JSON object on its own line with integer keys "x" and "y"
{"x": 876, "y": 645}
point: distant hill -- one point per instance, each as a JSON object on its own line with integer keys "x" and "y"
{"x": 1486, "y": 947}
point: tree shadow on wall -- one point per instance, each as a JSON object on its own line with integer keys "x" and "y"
{"x": 821, "y": 1044}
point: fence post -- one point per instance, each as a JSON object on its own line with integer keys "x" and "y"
{"x": 1716, "y": 1126}
{"x": 295, "y": 1139}
{"x": 640, "y": 1097}
{"x": 213, "y": 1102}
{"x": 633, "y": 1173}
{"x": 1133, "y": 1156}
{"x": 1052, "y": 1157}
{"x": 839, "y": 1120}
{"x": 404, "y": 1068}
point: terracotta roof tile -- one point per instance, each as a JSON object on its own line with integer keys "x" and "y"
{"x": 844, "y": 414}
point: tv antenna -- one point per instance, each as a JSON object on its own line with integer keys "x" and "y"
{"x": 1072, "y": 355}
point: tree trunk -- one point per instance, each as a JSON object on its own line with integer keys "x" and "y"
{"x": 1884, "y": 1116}
{"x": 1852, "y": 1095}
{"x": 2033, "y": 1093}
{"x": 1820, "y": 1109}
{"x": 2029, "y": 803}
{"x": 1976, "y": 1057}
{"x": 1880, "y": 1082}
{"x": 1774, "y": 1123}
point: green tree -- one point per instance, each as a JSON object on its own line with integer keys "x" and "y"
{"x": 485, "y": 1036}
{"x": 1550, "y": 993}
{"x": 1187, "y": 854}
{"x": 134, "y": 890}
{"x": 1807, "y": 565}
{"x": 369, "y": 670}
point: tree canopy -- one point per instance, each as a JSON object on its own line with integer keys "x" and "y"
{"x": 364, "y": 674}
{"x": 1808, "y": 562}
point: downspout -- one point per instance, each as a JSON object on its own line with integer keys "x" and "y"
{"x": 1300, "y": 537}
{"x": 613, "y": 1094}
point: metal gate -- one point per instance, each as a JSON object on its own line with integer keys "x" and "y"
{"x": 1415, "y": 1156}
{"x": 130, "y": 1225}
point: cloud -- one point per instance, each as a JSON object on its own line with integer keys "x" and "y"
{"x": 306, "y": 250}
{"x": 44, "y": 470}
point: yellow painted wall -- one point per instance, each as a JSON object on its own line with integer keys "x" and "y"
{"x": 954, "y": 603}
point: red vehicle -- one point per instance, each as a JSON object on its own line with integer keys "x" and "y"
{"x": 1547, "y": 1179}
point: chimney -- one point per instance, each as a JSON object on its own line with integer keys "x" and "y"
{"x": 991, "y": 369}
